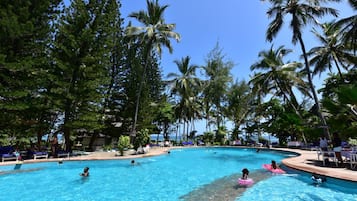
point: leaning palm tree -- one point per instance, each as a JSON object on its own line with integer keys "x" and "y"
{"x": 330, "y": 52}
{"x": 279, "y": 77}
{"x": 301, "y": 13}
{"x": 154, "y": 34}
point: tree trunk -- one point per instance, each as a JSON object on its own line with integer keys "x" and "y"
{"x": 291, "y": 103}
{"x": 147, "y": 52}
{"x": 309, "y": 76}
{"x": 92, "y": 140}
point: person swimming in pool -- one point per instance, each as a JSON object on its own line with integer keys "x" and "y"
{"x": 318, "y": 179}
{"x": 85, "y": 172}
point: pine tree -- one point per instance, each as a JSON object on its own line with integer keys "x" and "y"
{"x": 24, "y": 39}
{"x": 82, "y": 53}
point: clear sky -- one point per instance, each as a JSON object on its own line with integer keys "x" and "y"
{"x": 238, "y": 26}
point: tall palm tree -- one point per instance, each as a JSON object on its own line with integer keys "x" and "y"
{"x": 300, "y": 13}
{"x": 330, "y": 51}
{"x": 154, "y": 34}
{"x": 185, "y": 85}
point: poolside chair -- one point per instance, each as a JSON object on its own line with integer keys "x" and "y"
{"x": 40, "y": 154}
{"x": 200, "y": 143}
{"x": 62, "y": 153}
{"x": 7, "y": 153}
{"x": 353, "y": 160}
{"x": 319, "y": 153}
{"x": 11, "y": 156}
{"x": 327, "y": 155}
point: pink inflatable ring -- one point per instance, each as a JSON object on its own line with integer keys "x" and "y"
{"x": 245, "y": 182}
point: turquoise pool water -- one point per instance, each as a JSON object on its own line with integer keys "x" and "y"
{"x": 168, "y": 177}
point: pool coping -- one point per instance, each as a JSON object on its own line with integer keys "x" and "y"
{"x": 305, "y": 160}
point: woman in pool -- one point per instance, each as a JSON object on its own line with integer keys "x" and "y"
{"x": 85, "y": 172}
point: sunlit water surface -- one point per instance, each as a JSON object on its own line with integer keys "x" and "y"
{"x": 184, "y": 174}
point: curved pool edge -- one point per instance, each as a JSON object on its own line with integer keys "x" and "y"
{"x": 98, "y": 155}
{"x": 307, "y": 161}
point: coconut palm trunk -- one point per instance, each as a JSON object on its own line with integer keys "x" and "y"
{"x": 312, "y": 88}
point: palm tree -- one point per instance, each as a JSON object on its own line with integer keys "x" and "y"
{"x": 349, "y": 27}
{"x": 301, "y": 13}
{"x": 240, "y": 98}
{"x": 279, "y": 76}
{"x": 330, "y": 51}
{"x": 185, "y": 85}
{"x": 154, "y": 34}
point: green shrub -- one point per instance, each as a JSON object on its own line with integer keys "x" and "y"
{"x": 123, "y": 143}
{"x": 142, "y": 138}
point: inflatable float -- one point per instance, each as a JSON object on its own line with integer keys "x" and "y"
{"x": 245, "y": 182}
{"x": 277, "y": 170}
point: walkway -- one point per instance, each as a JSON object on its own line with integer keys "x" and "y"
{"x": 306, "y": 161}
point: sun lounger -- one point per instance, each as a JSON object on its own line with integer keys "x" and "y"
{"x": 187, "y": 143}
{"x": 6, "y": 157}
{"x": 40, "y": 154}
{"x": 7, "y": 153}
{"x": 63, "y": 153}
{"x": 295, "y": 144}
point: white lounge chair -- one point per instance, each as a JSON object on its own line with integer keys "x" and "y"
{"x": 6, "y": 157}
{"x": 327, "y": 155}
{"x": 63, "y": 153}
{"x": 38, "y": 155}
{"x": 353, "y": 160}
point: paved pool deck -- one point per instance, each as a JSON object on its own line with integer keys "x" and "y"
{"x": 305, "y": 161}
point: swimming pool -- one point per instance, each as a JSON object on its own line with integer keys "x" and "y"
{"x": 184, "y": 174}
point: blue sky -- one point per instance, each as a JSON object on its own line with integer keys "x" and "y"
{"x": 238, "y": 26}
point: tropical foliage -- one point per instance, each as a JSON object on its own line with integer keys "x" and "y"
{"x": 77, "y": 70}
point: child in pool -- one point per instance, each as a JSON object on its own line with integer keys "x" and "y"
{"x": 85, "y": 172}
{"x": 245, "y": 173}
{"x": 274, "y": 165}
